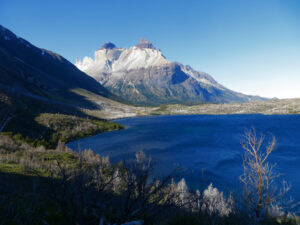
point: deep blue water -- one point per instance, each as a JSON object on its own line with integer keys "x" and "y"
{"x": 207, "y": 146}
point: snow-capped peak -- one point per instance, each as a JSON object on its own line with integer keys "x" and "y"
{"x": 145, "y": 44}
{"x": 142, "y": 75}
{"x": 110, "y": 58}
{"x": 108, "y": 45}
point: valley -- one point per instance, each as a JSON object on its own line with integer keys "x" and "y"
{"x": 69, "y": 134}
{"x": 109, "y": 109}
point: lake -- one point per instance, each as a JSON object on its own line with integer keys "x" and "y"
{"x": 206, "y": 146}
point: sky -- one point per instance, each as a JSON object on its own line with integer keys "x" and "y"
{"x": 248, "y": 46}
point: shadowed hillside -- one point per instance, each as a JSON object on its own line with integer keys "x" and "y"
{"x": 37, "y": 83}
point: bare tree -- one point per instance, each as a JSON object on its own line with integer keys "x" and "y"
{"x": 81, "y": 190}
{"x": 259, "y": 179}
{"x": 142, "y": 192}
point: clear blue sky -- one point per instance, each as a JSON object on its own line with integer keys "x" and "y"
{"x": 249, "y": 46}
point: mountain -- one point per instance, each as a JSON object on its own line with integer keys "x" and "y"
{"x": 41, "y": 74}
{"x": 142, "y": 75}
{"x": 35, "y": 80}
{"x": 45, "y": 99}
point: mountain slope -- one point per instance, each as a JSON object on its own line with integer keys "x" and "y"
{"x": 142, "y": 75}
{"x": 41, "y": 74}
{"x": 40, "y": 100}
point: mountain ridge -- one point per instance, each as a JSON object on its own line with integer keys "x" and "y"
{"x": 28, "y": 70}
{"x": 143, "y": 76}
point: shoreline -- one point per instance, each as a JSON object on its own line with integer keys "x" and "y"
{"x": 202, "y": 114}
{"x": 174, "y": 115}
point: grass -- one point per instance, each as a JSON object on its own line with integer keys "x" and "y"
{"x": 52, "y": 155}
{"x": 10, "y": 168}
{"x": 29, "y": 161}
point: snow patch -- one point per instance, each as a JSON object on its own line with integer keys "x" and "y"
{"x": 110, "y": 65}
{"x": 120, "y": 59}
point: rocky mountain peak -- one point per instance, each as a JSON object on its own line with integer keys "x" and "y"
{"x": 108, "y": 45}
{"x": 142, "y": 75}
{"x": 145, "y": 44}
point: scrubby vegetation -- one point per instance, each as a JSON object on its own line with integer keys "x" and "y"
{"x": 42, "y": 123}
{"x": 49, "y": 129}
{"x": 59, "y": 186}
